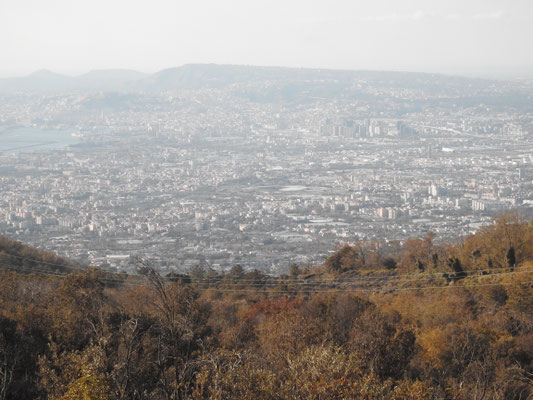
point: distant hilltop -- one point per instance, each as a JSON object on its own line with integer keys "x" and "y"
{"x": 48, "y": 81}
{"x": 198, "y": 76}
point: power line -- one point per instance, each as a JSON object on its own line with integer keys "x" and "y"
{"x": 282, "y": 290}
{"x": 333, "y": 281}
{"x": 277, "y": 281}
{"x": 41, "y": 262}
{"x": 57, "y": 274}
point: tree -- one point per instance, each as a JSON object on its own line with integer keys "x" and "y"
{"x": 75, "y": 374}
{"x": 510, "y": 258}
{"x": 294, "y": 270}
{"x": 131, "y": 359}
{"x": 236, "y": 272}
{"x": 180, "y": 325}
{"x": 390, "y": 263}
{"x": 459, "y": 273}
{"x": 382, "y": 345}
{"x": 9, "y": 354}
{"x": 417, "y": 253}
{"x": 77, "y": 312}
{"x": 346, "y": 258}
{"x": 335, "y": 314}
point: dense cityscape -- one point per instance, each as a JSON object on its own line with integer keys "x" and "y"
{"x": 276, "y": 167}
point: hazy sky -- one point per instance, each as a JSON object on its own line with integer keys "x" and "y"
{"x": 75, "y": 36}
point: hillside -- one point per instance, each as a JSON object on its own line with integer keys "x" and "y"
{"x": 419, "y": 326}
{"x": 16, "y": 256}
{"x": 45, "y": 81}
{"x": 198, "y": 76}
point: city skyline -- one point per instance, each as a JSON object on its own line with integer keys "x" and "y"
{"x": 263, "y": 167}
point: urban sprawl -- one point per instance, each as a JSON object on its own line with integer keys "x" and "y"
{"x": 214, "y": 176}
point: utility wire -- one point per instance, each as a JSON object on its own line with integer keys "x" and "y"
{"x": 276, "y": 281}
{"x": 332, "y": 281}
{"x": 295, "y": 291}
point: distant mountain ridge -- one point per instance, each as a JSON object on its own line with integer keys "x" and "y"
{"x": 48, "y": 81}
{"x": 197, "y": 76}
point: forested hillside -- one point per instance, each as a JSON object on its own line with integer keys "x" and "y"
{"x": 416, "y": 321}
{"x": 19, "y": 257}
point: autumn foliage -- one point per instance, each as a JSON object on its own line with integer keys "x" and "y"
{"x": 439, "y": 321}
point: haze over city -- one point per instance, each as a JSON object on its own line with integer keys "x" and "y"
{"x": 477, "y": 38}
{"x": 256, "y": 199}
{"x": 271, "y": 131}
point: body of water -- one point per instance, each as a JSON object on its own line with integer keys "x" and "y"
{"x": 15, "y": 140}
